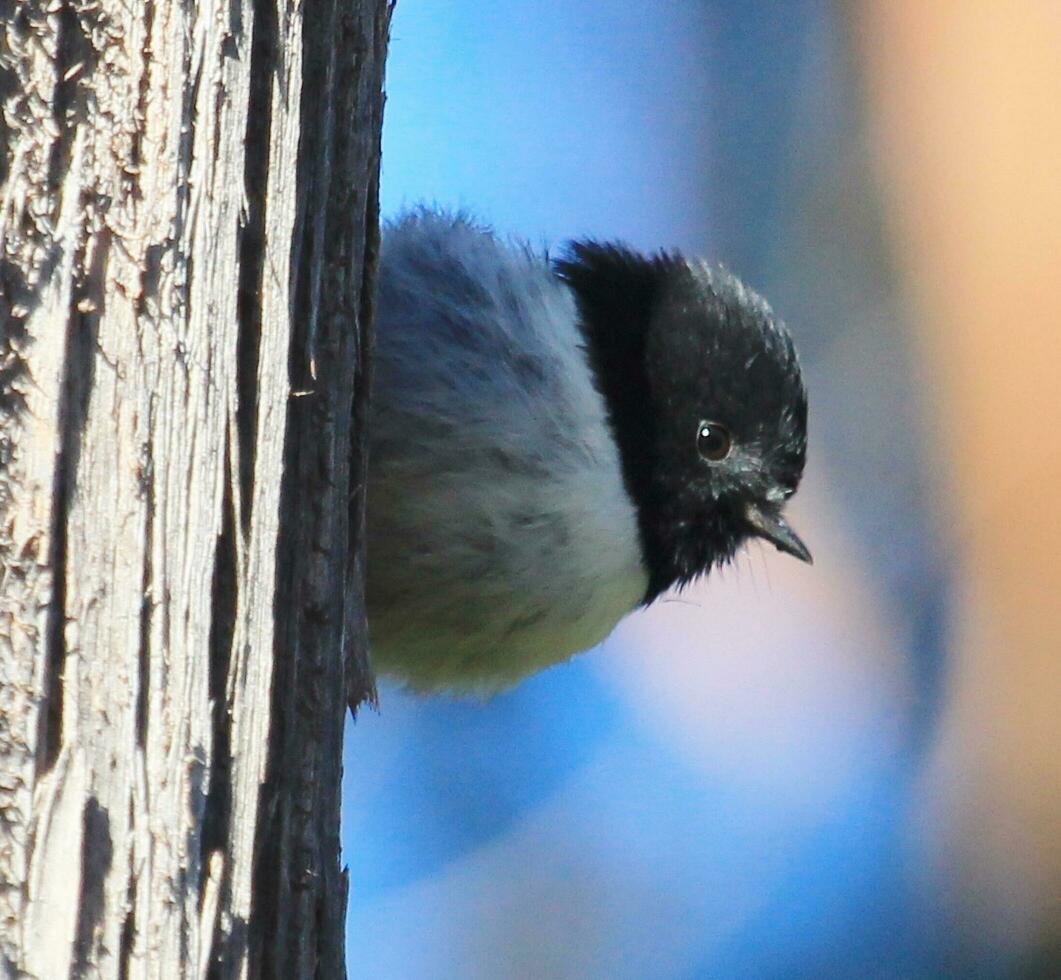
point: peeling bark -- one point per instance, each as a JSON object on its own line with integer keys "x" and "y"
{"x": 188, "y": 231}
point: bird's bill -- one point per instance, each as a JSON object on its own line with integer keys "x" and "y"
{"x": 767, "y": 523}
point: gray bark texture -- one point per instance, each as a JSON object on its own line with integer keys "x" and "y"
{"x": 188, "y": 235}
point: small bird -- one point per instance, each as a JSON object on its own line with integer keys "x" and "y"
{"x": 553, "y": 445}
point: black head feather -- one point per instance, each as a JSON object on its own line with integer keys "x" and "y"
{"x": 671, "y": 344}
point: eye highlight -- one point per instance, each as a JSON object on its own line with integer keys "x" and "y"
{"x": 713, "y": 441}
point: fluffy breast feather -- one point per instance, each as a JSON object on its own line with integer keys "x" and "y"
{"x": 500, "y": 536}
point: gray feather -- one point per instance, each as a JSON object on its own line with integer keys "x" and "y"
{"x": 500, "y": 536}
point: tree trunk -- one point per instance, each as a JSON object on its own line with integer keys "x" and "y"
{"x": 188, "y": 230}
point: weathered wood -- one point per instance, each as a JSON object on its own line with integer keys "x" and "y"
{"x": 187, "y": 232}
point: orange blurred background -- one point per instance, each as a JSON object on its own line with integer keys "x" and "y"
{"x": 965, "y": 109}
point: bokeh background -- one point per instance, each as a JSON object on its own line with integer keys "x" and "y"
{"x": 850, "y": 770}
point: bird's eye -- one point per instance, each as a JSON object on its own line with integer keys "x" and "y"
{"x": 713, "y": 441}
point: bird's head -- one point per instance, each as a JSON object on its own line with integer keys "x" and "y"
{"x": 706, "y": 401}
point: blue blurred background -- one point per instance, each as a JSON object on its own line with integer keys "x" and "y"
{"x": 732, "y": 785}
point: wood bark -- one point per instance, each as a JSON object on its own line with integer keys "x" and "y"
{"x": 188, "y": 230}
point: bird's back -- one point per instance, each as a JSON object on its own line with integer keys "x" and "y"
{"x": 500, "y": 536}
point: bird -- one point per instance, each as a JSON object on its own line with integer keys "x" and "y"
{"x": 555, "y": 442}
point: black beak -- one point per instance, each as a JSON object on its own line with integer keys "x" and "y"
{"x": 766, "y": 522}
